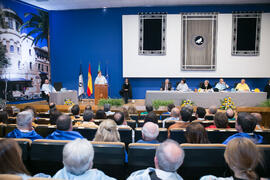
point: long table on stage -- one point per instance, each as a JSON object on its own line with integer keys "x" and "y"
{"x": 59, "y": 97}
{"x": 206, "y": 99}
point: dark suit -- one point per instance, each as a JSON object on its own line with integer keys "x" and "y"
{"x": 163, "y": 86}
{"x": 126, "y": 92}
{"x": 208, "y": 87}
{"x": 267, "y": 89}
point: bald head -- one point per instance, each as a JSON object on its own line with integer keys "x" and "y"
{"x": 230, "y": 113}
{"x": 169, "y": 156}
{"x": 258, "y": 116}
{"x": 150, "y": 131}
{"x": 213, "y": 109}
{"x": 175, "y": 112}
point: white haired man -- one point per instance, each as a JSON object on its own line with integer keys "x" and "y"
{"x": 78, "y": 158}
{"x": 169, "y": 157}
{"x": 175, "y": 113}
{"x": 150, "y": 133}
{"x": 24, "y": 127}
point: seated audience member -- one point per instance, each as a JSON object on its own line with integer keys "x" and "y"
{"x": 9, "y": 111}
{"x": 78, "y": 158}
{"x": 107, "y": 132}
{"x": 24, "y": 127}
{"x": 242, "y": 156}
{"x": 32, "y": 109}
{"x": 150, "y": 133}
{"x": 100, "y": 114}
{"x": 200, "y": 114}
{"x": 52, "y": 107}
{"x": 132, "y": 109}
{"x": 206, "y": 86}
{"x": 54, "y": 114}
{"x": 242, "y": 86}
{"x": 88, "y": 107}
{"x": 220, "y": 121}
{"x": 166, "y": 86}
{"x": 258, "y": 116}
{"x": 182, "y": 86}
{"x": 195, "y": 133}
{"x": 169, "y": 108}
{"x": 212, "y": 110}
{"x": 169, "y": 157}
{"x": 64, "y": 130}
{"x": 245, "y": 125}
{"x": 174, "y": 116}
{"x": 221, "y": 85}
{"x": 185, "y": 118}
{"x": 119, "y": 119}
{"x": 151, "y": 117}
{"x": 75, "y": 110}
{"x": 3, "y": 117}
{"x": 149, "y": 108}
{"x": 126, "y": 113}
{"x": 267, "y": 89}
{"x": 230, "y": 114}
{"x": 88, "y": 120}
{"x": 107, "y": 109}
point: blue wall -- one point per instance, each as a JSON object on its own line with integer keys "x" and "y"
{"x": 95, "y": 36}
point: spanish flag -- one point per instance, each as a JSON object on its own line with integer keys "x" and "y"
{"x": 89, "y": 84}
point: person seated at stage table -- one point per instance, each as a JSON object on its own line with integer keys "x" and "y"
{"x": 47, "y": 88}
{"x": 195, "y": 133}
{"x": 245, "y": 125}
{"x": 75, "y": 110}
{"x": 206, "y": 86}
{"x": 166, "y": 86}
{"x": 24, "y": 127}
{"x": 64, "y": 130}
{"x": 150, "y": 133}
{"x": 200, "y": 114}
{"x": 100, "y": 114}
{"x": 221, "y": 85}
{"x": 182, "y": 86}
{"x": 126, "y": 91}
{"x": 78, "y": 158}
{"x": 149, "y": 108}
{"x": 242, "y": 86}
{"x": 220, "y": 121}
{"x": 174, "y": 116}
{"x": 100, "y": 79}
{"x": 88, "y": 120}
{"x": 230, "y": 114}
{"x": 267, "y": 89}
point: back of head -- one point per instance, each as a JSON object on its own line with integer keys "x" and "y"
{"x": 107, "y": 107}
{"x": 88, "y": 115}
{"x": 100, "y": 114}
{"x": 52, "y": 106}
{"x": 126, "y": 113}
{"x": 3, "y": 116}
{"x": 195, "y": 133}
{"x": 78, "y": 156}
{"x": 150, "y": 131}
{"x": 75, "y": 110}
{"x": 186, "y": 114}
{"x": 170, "y": 156}
{"x": 213, "y": 109}
{"x": 258, "y": 117}
{"x": 170, "y": 107}
{"x": 151, "y": 117}
{"x": 107, "y": 132}
{"x": 24, "y": 119}
{"x": 63, "y": 123}
{"x": 175, "y": 112}
{"x": 31, "y": 109}
{"x": 200, "y": 112}
{"x": 221, "y": 120}
{"x": 9, "y": 111}
{"x": 88, "y": 107}
{"x": 230, "y": 113}
{"x": 11, "y": 158}
{"x": 246, "y": 122}
{"x": 132, "y": 109}
{"x": 242, "y": 155}
{"x": 54, "y": 114}
{"x": 149, "y": 108}
{"x": 119, "y": 118}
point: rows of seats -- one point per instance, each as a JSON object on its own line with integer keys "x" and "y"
{"x": 200, "y": 159}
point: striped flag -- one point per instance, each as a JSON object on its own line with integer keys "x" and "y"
{"x": 89, "y": 84}
{"x": 81, "y": 87}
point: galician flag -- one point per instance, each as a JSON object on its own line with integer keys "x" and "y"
{"x": 89, "y": 84}
{"x": 81, "y": 87}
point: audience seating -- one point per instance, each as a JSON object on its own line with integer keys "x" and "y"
{"x": 163, "y": 134}
{"x": 203, "y": 159}
{"x": 44, "y": 115}
{"x": 141, "y": 156}
{"x": 134, "y": 117}
{"x": 265, "y": 134}
{"x": 88, "y": 133}
{"x": 131, "y": 123}
{"x": 178, "y": 134}
{"x": 45, "y": 130}
{"x": 207, "y": 123}
{"x": 2, "y": 130}
{"x": 169, "y": 123}
{"x": 209, "y": 117}
{"x": 164, "y": 116}
{"x": 264, "y": 169}
{"x": 11, "y": 120}
{"x": 219, "y": 135}
{"x": 42, "y": 121}
{"x": 141, "y": 123}
{"x": 125, "y": 134}
{"x": 9, "y": 128}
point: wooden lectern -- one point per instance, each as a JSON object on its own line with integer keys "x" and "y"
{"x": 101, "y": 92}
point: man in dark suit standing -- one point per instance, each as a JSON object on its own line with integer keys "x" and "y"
{"x": 267, "y": 89}
{"x": 166, "y": 86}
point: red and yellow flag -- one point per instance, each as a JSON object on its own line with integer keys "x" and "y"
{"x": 89, "y": 84}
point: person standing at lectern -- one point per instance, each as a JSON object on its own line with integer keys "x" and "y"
{"x": 47, "y": 88}
{"x": 126, "y": 91}
{"x": 100, "y": 79}
{"x": 166, "y": 86}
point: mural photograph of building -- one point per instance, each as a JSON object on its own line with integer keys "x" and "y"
{"x": 27, "y": 64}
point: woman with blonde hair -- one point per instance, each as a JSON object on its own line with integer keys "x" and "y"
{"x": 107, "y": 132}
{"x": 242, "y": 156}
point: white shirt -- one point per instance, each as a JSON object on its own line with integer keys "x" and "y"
{"x": 182, "y": 87}
{"x": 100, "y": 80}
{"x": 47, "y": 88}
